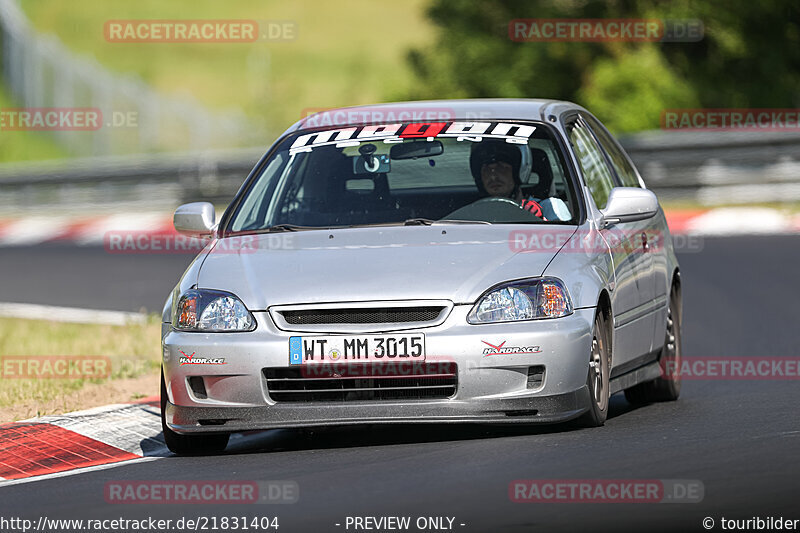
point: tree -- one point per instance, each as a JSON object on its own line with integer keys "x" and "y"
{"x": 749, "y": 57}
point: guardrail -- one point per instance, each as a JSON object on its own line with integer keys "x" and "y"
{"x": 714, "y": 168}
{"x": 707, "y": 168}
{"x": 120, "y": 183}
{"x": 40, "y": 72}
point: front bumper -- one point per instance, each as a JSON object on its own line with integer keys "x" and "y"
{"x": 491, "y": 388}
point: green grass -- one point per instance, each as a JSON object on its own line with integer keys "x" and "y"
{"x": 346, "y": 53}
{"x": 26, "y": 145}
{"x": 133, "y": 351}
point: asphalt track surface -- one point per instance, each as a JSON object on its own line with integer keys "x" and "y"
{"x": 741, "y": 439}
{"x": 88, "y": 277}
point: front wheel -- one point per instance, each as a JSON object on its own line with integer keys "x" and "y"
{"x": 189, "y": 444}
{"x": 598, "y": 377}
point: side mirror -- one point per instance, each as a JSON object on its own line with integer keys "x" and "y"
{"x": 629, "y": 204}
{"x": 195, "y": 219}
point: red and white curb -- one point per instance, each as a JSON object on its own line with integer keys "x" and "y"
{"x": 80, "y": 230}
{"x": 38, "y": 229}
{"x": 734, "y": 221}
{"x": 81, "y": 441}
{"x": 62, "y": 443}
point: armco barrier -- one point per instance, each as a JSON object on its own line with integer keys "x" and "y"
{"x": 710, "y": 168}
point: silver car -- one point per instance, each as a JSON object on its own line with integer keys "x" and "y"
{"x": 491, "y": 261}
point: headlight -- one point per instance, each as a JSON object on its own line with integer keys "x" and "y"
{"x": 528, "y": 299}
{"x": 209, "y": 310}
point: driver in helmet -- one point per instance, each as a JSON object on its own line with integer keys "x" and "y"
{"x": 499, "y": 168}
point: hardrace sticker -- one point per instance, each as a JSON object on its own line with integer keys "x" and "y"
{"x": 395, "y": 133}
{"x": 192, "y": 360}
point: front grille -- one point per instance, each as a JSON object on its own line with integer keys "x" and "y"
{"x": 374, "y": 315}
{"x": 362, "y": 382}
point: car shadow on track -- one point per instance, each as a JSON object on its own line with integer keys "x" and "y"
{"x": 619, "y": 406}
{"x": 375, "y": 435}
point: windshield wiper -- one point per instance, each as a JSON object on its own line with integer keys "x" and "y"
{"x": 418, "y": 222}
{"x": 279, "y": 228}
{"x": 429, "y": 222}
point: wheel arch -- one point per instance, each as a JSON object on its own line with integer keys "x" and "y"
{"x": 604, "y": 308}
{"x": 678, "y": 288}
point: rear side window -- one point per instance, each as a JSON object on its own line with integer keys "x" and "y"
{"x": 626, "y": 173}
{"x": 598, "y": 176}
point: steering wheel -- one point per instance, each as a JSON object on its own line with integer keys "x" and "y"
{"x": 495, "y": 199}
{"x": 494, "y": 209}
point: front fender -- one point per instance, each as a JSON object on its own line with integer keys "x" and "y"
{"x": 585, "y": 265}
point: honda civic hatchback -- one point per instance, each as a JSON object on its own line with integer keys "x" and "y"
{"x": 489, "y": 261}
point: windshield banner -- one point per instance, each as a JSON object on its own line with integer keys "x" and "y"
{"x": 396, "y": 133}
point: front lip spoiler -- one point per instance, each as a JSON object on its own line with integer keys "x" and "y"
{"x": 526, "y": 410}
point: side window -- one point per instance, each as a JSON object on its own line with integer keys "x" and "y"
{"x": 627, "y": 175}
{"x": 251, "y": 212}
{"x": 598, "y": 176}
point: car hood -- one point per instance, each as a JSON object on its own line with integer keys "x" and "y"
{"x": 450, "y": 262}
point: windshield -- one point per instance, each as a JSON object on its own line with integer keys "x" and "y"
{"x": 417, "y": 173}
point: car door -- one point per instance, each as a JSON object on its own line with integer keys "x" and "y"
{"x": 632, "y": 329}
{"x": 651, "y": 231}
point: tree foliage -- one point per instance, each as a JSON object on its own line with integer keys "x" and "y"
{"x": 749, "y": 57}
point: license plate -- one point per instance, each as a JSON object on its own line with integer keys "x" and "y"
{"x": 357, "y": 348}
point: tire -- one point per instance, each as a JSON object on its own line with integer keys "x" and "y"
{"x": 667, "y": 387}
{"x": 597, "y": 379}
{"x": 207, "y": 444}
